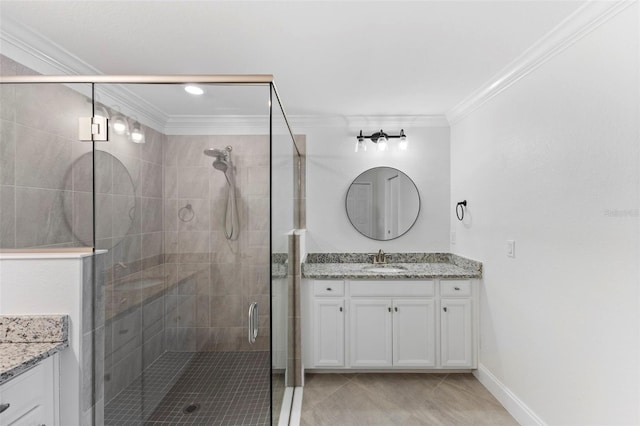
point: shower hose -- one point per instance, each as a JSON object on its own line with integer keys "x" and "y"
{"x": 231, "y": 225}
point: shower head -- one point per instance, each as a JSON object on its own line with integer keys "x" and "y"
{"x": 216, "y": 153}
{"x": 222, "y": 157}
{"x": 221, "y": 165}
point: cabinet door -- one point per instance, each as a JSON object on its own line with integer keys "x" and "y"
{"x": 31, "y": 397}
{"x": 328, "y": 330}
{"x": 370, "y": 337}
{"x": 414, "y": 333}
{"x": 456, "y": 339}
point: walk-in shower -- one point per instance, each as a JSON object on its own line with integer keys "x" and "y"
{"x": 186, "y": 249}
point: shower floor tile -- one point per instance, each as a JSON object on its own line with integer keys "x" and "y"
{"x": 228, "y": 388}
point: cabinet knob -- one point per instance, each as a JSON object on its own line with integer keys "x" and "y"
{"x": 456, "y": 288}
{"x": 329, "y": 289}
{"x": 445, "y": 309}
{"x": 389, "y": 309}
{"x": 396, "y": 309}
{"x": 3, "y": 407}
{"x": 340, "y": 308}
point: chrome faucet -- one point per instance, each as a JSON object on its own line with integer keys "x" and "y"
{"x": 381, "y": 257}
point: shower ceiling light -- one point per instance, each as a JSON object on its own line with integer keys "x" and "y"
{"x": 194, "y": 90}
{"x": 382, "y": 140}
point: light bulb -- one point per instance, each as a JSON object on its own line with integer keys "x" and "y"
{"x": 137, "y": 136}
{"x": 382, "y": 143}
{"x": 119, "y": 125}
{"x": 194, "y": 90}
{"x": 360, "y": 144}
{"x": 403, "y": 144}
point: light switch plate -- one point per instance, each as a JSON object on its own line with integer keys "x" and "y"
{"x": 511, "y": 248}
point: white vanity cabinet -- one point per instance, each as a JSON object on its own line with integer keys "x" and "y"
{"x": 392, "y": 332}
{"x": 456, "y": 324}
{"x": 31, "y": 398}
{"x": 390, "y": 324}
{"x": 370, "y": 333}
{"x": 328, "y": 320}
{"x": 414, "y": 340}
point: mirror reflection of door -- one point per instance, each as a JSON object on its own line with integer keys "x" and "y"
{"x": 361, "y": 206}
{"x": 391, "y": 206}
{"x": 382, "y": 203}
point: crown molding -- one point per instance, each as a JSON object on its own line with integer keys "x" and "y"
{"x": 33, "y": 50}
{"x": 259, "y": 124}
{"x": 580, "y": 23}
{"x": 356, "y": 122}
{"x": 218, "y": 125}
{"x": 401, "y": 121}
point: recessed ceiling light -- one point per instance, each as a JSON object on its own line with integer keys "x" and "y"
{"x": 193, "y": 90}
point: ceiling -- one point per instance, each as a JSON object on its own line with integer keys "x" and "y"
{"x": 364, "y": 58}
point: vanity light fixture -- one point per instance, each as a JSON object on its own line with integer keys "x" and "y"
{"x": 382, "y": 140}
{"x": 120, "y": 125}
{"x": 137, "y": 135}
{"x": 403, "y": 143}
{"x": 360, "y": 143}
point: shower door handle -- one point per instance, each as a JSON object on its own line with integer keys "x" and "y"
{"x": 253, "y": 322}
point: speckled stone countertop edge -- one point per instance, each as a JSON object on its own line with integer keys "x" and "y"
{"x": 33, "y": 328}
{"x": 326, "y": 273}
{"x": 25, "y": 340}
{"x": 24, "y": 356}
{"x": 417, "y": 265}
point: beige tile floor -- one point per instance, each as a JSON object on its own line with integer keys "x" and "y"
{"x": 399, "y": 399}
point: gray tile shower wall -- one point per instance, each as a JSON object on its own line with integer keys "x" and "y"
{"x": 211, "y": 281}
{"x": 38, "y": 147}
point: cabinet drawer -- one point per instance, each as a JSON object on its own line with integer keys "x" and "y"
{"x": 453, "y": 288}
{"x": 328, "y": 288}
{"x": 391, "y": 288}
{"x": 28, "y": 394}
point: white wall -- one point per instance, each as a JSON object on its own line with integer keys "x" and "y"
{"x": 332, "y": 165}
{"x": 553, "y": 163}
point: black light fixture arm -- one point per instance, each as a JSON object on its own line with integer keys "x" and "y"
{"x": 381, "y": 134}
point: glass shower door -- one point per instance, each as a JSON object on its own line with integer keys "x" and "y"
{"x": 186, "y": 229}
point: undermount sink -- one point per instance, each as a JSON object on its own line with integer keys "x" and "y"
{"x": 384, "y": 269}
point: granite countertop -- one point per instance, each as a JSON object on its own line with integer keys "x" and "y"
{"x": 279, "y": 265}
{"x": 414, "y": 265}
{"x": 27, "y": 340}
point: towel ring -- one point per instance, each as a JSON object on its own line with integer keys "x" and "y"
{"x": 460, "y": 209}
{"x": 186, "y": 213}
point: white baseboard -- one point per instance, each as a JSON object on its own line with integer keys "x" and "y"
{"x": 518, "y": 409}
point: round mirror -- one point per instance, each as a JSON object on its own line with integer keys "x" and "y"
{"x": 383, "y": 203}
{"x": 115, "y": 198}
